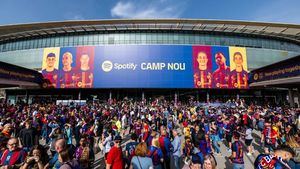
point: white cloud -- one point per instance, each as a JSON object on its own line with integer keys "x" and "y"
{"x": 139, "y": 10}
{"x": 278, "y": 11}
{"x": 77, "y": 17}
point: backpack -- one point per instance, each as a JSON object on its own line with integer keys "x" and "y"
{"x": 154, "y": 156}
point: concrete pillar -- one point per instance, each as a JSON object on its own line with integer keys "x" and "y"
{"x": 291, "y": 98}
{"x": 26, "y": 97}
{"x": 143, "y": 96}
{"x": 175, "y": 98}
{"x": 79, "y": 95}
{"x": 110, "y": 95}
{"x": 298, "y": 95}
{"x": 207, "y": 97}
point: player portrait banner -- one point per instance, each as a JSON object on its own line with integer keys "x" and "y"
{"x": 238, "y": 68}
{"x": 50, "y": 66}
{"x": 146, "y": 66}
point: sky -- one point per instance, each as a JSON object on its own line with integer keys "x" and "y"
{"x": 30, "y": 11}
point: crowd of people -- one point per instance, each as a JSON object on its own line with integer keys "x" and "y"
{"x": 141, "y": 134}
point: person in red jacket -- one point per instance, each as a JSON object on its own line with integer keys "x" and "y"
{"x": 114, "y": 157}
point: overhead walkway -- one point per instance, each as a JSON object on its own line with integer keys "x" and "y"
{"x": 16, "y": 76}
{"x": 283, "y": 74}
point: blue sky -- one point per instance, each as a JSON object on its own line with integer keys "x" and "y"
{"x": 28, "y": 11}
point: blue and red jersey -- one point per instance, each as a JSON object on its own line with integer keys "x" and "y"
{"x": 51, "y": 76}
{"x": 237, "y": 147}
{"x": 12, "y": 157}
{"x": 149, "y": 140}
{"x": 155, "y": 154}
{"x": 67, "y": 79}
{"x": 165, "y": 145}
{"x": 84, "y": 79}
{"x": 205, "y": 146}
{"x": 266, "y": 161}
{"x": 130, "y": 148}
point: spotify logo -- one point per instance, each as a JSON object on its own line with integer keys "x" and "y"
{"x": 107, "y": 66}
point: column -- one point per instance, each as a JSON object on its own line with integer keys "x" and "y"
{"x": 291, "y": 98}
{"x": 143, "y": 96}
{"x": 26, "y": 97}
{"x": 175, "y": 98}
{"x": 79, "y": 95}
{"x": 207, "y": 97}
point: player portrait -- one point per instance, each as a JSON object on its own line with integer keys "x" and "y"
{"x": 84, "y": 76}
{"x": 238, "y": 67}
{"x": 202, "y": 66}
{"x": 67, "y": 68}
{"x": 221, "y": 70}
{"x": 50, "y": 66}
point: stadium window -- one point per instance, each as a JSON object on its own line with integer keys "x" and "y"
{"x": 66, "y": 41}
{"x": 71, "y": 40}
{"x": 138, "y": 38}
{"x": 95, "y": 39}
{"x": 111, "y": 40}
{"x": 159, "y": 38}
{"x": 143, "y": 38}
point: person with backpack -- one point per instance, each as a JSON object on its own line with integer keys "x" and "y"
{"x": 130, "y": 148}
{"x": 82, "y": 154}
{"x": 156, "y": 154}
{"x": 237, "y": 157}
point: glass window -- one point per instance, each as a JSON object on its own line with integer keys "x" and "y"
{"x": 111, "y": 40}
{"x": 138, "y": 38}
{"x": 96, "y": 39}
{"x": 144, "y": 38}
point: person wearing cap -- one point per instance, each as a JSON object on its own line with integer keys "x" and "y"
{"x": 114, "y": 158}
{"x": 176, "y": 143}
{"x": 277, "y": 160}
{"x": 237, "y": 157}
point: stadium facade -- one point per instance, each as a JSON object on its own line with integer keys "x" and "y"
{"x": 146, "y": 56}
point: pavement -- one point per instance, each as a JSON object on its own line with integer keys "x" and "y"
{"x": 222, "y": 160}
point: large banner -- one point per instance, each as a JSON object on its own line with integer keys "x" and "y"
{"x": 146, "y": 66}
